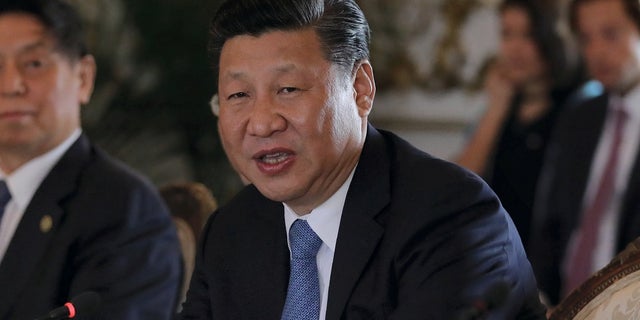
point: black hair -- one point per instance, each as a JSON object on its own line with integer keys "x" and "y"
{"x": 60, "y": 19}
{"x": 340, "y": 25}
{"x": 542, "y": 21}
{"x": 631, "y": 7}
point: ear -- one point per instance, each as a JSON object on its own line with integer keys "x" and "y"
{"x": 87, "y": 74}
{"x": 364, "y": 88}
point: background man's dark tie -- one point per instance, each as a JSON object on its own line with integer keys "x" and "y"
{"x": 5, "y": 196}
{"x": 580, "y": 259}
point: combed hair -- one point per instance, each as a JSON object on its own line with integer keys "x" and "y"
{"x": 340, "y": 25}
{"x": 60, "y": 19}
{"x": 631, "y": 7}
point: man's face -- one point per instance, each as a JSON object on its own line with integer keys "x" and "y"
{"x": 610, "y": 43}
{"x": 40, "y": 89}
{"x": 291, "y": 122}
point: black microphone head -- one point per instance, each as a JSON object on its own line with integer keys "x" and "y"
{"x": 83, "y": 304}
{"x": 86, "y": 303}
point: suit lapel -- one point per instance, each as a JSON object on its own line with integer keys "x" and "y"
{"x": 39, "y": 224}
{"x": 359, "y": 233}
{"x": 630, "y": 215}
{"x": 591, "y": 123}
{"x": 263, "y": 269}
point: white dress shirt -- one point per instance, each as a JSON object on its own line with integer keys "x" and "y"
{"x": 23, "y": 183}
{"x": 608, "y": 230}
{"x": 325, "y": 222}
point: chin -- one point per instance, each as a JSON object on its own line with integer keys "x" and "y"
{"x": 273, "y": 192}
{"x": 609, "y": 84}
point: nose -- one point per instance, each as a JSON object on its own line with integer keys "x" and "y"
{"x": 11, "y": 81}
{"x": 265, "y": 118}
{"x": 594, "y": 49}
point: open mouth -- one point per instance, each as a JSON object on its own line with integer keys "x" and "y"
{"x": 274, "y": 162}
{"x": 274, "y": 158}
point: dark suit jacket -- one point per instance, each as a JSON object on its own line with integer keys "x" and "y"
{"x": 419, "y": 238}
{"x": 562, "y": 187}
{"x": 110, "y": 233}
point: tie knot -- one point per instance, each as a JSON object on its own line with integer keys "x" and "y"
{"x": 304, "y": 242}
{"x": 5, "y": 195}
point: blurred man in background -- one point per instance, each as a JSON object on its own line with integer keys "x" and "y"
{"x": 588, "y": 206}
{"x": 72, "y": 219}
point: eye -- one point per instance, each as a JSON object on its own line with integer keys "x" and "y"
{"x": 34, "y": 64}
{"x": 237, "y": 95}
{"x": 288, "y": 90}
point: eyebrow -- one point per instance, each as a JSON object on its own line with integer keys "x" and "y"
{"x": 40, "y": 44}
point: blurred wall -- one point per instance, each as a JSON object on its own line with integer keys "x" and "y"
{"x": 150, "y": 107}
{"x": 427, "y": 58}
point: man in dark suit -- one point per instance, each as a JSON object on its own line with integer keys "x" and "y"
{"x": 75, "y": 220}
{"x": 377, "y": 229}
{"x": 589, "y": 196}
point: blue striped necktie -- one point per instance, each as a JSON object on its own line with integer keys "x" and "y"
{"x": 303, "y": 295}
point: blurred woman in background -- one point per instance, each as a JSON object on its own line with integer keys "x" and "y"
{"x": 526, "y": 86}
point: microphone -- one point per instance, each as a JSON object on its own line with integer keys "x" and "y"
{"x": 83, "y": 304}
{"x": 493, "y": 298}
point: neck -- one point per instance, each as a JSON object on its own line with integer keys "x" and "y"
{"x": 10, "y": 163}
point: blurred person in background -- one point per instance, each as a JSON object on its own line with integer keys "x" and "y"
{"x": 190, "y": 204}
{"x": 72, "y": 219}
{"x": 526, "y": 86}
{"x": 588, "y": 205}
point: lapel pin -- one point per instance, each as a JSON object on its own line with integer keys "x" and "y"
{"x": 46, "y": 223}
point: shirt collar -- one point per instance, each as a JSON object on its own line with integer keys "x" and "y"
{"x": 325, "y": 219}
{"x": 632, "y": 102}
{"x": 24, "y": 182}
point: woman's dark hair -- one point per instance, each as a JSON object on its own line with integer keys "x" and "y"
{"x": 340, "y": 25}
{"x": 59, "y": 18}
{"x": 542, "y": 20}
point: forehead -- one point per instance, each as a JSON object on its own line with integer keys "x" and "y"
{"x": 22, "y": 32}
{"x": 597, "y": 13}
{"x": 281, "y": 50}
{"x": 514, "y": 16}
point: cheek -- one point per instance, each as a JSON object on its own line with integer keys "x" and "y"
{"x": 51, "y": 103}
{"x": 527, "y": 54}
{"x": 627, "y": 54}
{"x": 508, "y": 52}
{"x": 538, "y": 68}
{"x": 592, "y": 58}
{"x": 533, "y": 55}
{"x": 57, "y": 97}
{"x": 228, "y": 132}
{"x": 344, "y": 123}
